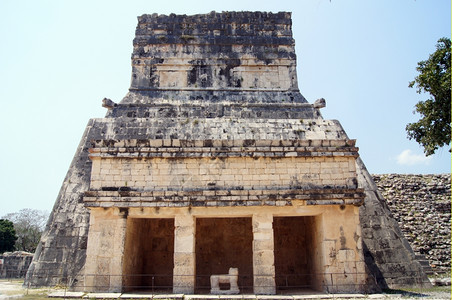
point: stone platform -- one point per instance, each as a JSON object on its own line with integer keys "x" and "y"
{"x": 314, "y": 295}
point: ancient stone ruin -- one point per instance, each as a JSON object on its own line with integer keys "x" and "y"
{"x": 14, "y": 264}
{"x": 214, "y": 160}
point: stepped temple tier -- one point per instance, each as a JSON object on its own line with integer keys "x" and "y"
{"x": 214, "y": 174}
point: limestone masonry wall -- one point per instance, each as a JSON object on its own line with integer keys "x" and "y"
{"x": 251, "y": 173}
{"x": 421, "y": 205}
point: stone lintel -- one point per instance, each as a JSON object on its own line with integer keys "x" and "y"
{"x": 199, "y": 198}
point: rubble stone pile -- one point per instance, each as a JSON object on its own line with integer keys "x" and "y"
{"x": 421, "y": 205}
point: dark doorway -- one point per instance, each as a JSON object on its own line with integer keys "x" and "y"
{"x": 294, "y": 253}
{"x": 149, "y": 255}
{"x": 222, "y": 243}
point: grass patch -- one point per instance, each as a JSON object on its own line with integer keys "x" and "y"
{"x": 37, "y": 297}
{"x": 14, "y": 289}
{"x": 439, "y": 289}
{"x": 419, "y": 292}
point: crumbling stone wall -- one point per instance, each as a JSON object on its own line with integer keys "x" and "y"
{"x": 14, "y": 264}
{"x": 421, "y": 206}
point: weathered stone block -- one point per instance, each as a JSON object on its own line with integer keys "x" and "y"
{"x": 183, "y": 260}
{"x": 264, "y": 285}
{"x": 263, "y": 257}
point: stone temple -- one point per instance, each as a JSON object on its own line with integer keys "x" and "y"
{"x": 214, "y": 161}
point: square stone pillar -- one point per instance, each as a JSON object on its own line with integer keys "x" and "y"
{"x": 263, "y": 255}
{"x": 343, "y": 259}
{"x": 184, "y": 255}
{"x": 105, "y": 250}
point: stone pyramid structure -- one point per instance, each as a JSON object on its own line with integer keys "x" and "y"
{"x": 215, "y": 160}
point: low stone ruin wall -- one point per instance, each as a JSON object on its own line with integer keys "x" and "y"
{"x": 14, "y": 264}
{"x": 421, "y": 204}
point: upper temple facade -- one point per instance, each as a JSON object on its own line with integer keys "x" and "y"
{"x": 214, "y": 160}
{"x": 216, "y": 52}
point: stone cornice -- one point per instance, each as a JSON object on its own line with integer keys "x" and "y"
{"x": 123, "y": 197}
{"x": 175, "y": 148}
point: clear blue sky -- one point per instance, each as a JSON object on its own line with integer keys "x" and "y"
{"x": 59, "y": 59}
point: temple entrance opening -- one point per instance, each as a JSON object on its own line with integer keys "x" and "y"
{"x": 149, "y": 255}
{"x": 222, "y": 243}
{"x": 295, "y": 253}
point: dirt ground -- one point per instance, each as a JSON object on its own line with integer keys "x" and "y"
{"x": 13, "y": 289}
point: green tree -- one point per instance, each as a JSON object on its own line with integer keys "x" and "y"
{"x": 433, "y": 130}
{"x": 29, "y": 225}
{"x": 7, "y": 235}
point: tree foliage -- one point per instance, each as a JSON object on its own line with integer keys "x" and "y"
{"x": 433, "y": 130}
{"x": 7, "y": 235}
{"x": 29, "y": 225}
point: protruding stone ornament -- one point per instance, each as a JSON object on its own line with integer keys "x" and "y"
{"x": 108, "y": 103}
{"x": 319, "y": 103}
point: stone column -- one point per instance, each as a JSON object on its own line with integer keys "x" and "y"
{"x": 184, "y": 255}
{"x": 263, "y": 254}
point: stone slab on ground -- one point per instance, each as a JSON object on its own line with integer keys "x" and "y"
{"x": 274, "y": 297}
{"x": 232, "y": 297}
{"x": 318, "y": 296}
{"x": 169, "y": 296}
{"x": 329, "y": 296}
{"x": 66, "y": 294}
{"x": 62, "y": 294}
{"x": 102, "y": 296}
{"x": 137, "y": 296}
{"x": 201, "y": 297}
{"x": 248, "y": 297}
